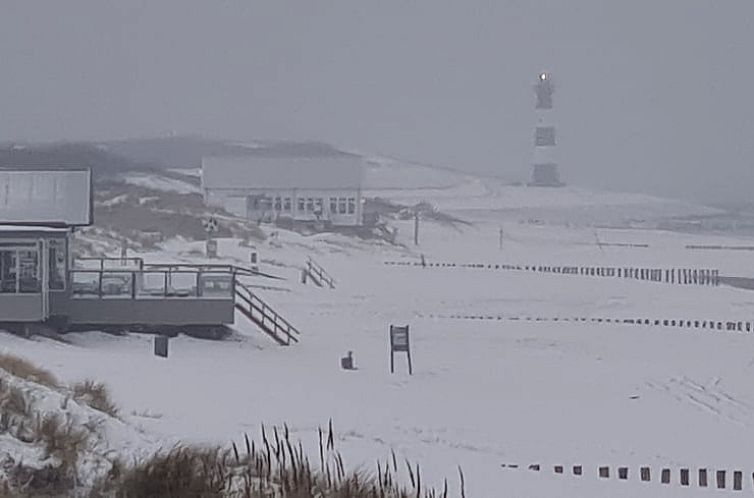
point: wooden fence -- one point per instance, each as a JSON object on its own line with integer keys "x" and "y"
{"x": 700, "y": 477}
{"x": 677, "y": 276}
{"x": 743, "y": 326}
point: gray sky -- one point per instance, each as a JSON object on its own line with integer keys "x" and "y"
{"x": 652, "y": 95}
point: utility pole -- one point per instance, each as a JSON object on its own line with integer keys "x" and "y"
{"x": 416, "y": 227}
{"x": 501, "y": 238}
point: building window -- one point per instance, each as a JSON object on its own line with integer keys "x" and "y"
{"x": 333, "y": 205}
{"x": 8, "y": 271}
{"x": 342, "y": 205}
{"x": 28, "y": 271}
{"x": 318, "y": 204}
{"x": 310, "y": 204}
{"x": 287, "y": 205}
{"x": 351, "y": 205}
{"x": 57, "y": 264}
{"x": 278, "y": 204}
{"x": 19, "y": 271}
{"x": 301, "y": 205}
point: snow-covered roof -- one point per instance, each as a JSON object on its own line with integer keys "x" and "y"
{"x": 334, "y": 172}
{"x": 31, "y": 228}
{"x": 53, "y": 197}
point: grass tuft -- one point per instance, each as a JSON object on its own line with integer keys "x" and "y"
{"x": 96, "y": 396}
{"x": 26, "y": 370}
{"x": 276, "y": 468}
{"x": 61, "y": 440}
{"x": 182, "y": 472}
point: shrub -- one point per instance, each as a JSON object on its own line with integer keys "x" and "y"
{"x": 26, "y": 370}
{"x": 61, "y": 440}
{"x": 96, "y": 396}
{"x": 13, "y": 400}
{"x": 46, "y": 481}
{"x": 276, "y": 467}
{"x": 182, "y": 472}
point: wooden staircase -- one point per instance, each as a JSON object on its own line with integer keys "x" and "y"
{"x": 318, "y": 275}
{"x": 263, "y": 316}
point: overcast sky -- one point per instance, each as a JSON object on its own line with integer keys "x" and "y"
{"x": 652, "y": 95}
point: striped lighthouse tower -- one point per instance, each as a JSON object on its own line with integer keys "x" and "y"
{"x": 544, "y": 171}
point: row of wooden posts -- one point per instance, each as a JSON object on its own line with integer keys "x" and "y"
{"x": 682, "y": 276}
{"x": 685, "y": 476}
{"x": 727, "y": 325}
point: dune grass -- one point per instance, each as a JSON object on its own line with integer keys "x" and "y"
{"x": 276, "y": 467}
{"x": 26, "y": 370}
{"x": 96, "y": 396}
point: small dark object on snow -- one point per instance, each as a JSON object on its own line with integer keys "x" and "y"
{"x": 161, "y": 346}
{"x": 346, "y": 362}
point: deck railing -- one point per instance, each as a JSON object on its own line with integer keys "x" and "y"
{"x": 151, "y": 284}
{"x": 105, "y": 263}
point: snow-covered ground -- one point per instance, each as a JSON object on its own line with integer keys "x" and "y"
{"x": 159, "y": 182}
{"x": 483, "y": 393}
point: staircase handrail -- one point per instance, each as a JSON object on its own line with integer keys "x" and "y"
{"x": 255, "y": 302}
{"x": 320, "y": 272}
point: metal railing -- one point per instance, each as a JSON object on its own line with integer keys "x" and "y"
{"x": 113, "y": 263}
{"x": 319, "y": 273}
{"x": 208, "y": 267}
{"x": 146, "y": 284}
{"x": 104, "y": 263}
{"x": 265, "y": 316}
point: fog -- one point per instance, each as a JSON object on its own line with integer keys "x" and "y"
{"x": 651, "y": 96}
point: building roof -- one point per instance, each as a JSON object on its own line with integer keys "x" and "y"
{"x": 249, "y": 172}
{"x": 45, "y": 197}
{"x": 31, "y": 229}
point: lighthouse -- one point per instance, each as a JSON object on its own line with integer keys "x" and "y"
{"x": 544, "y": 171}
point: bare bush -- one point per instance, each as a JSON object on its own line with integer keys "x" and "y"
{"x": 61, "y": 440}
{"x": 96, "y": 396}
{"x": 32, "y": 482}
{"x": 182, "y": 472}
{"x": 13, "y": 400}
{"x": 276, "y": 467}
{"x": 26, "y": 370}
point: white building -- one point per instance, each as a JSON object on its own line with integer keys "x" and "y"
{"x": 325, "y": 189}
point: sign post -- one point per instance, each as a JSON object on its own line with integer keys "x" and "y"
{"x": 210, "y": 226}
{"x": 399, "y": 343}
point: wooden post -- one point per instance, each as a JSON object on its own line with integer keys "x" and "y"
{"x": 702, "y": 478}
{"x": 720, "y": 479}
{"x": 665, "y": 476}
{"x": 684, "y": 477}
{"x": 161, "y": 346}
{"x": 410, "y": 366}
{"x": 416, "y": 227}
{"x": 645, "y": 474}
